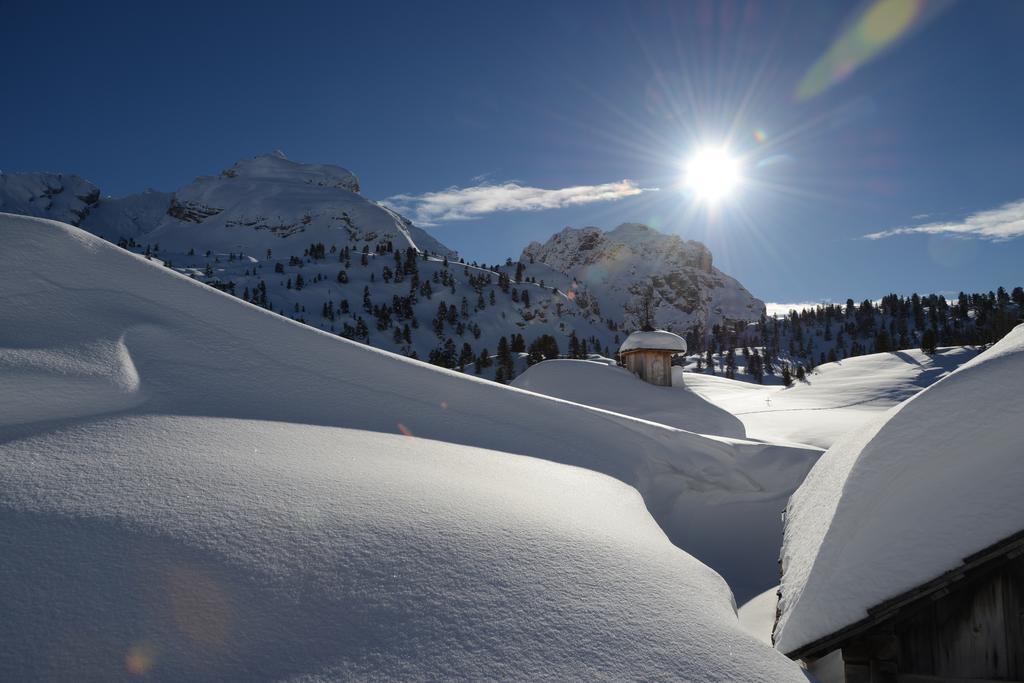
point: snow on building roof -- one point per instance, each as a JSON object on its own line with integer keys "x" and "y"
{"x": 894, "y": 505}
{"x": 657, "y": 339}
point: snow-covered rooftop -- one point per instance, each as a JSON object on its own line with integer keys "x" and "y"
{"x": 656, "y": 339}
{"x": 900, "y": 502}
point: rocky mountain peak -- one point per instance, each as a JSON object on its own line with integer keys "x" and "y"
{"x": 621, "y": 265}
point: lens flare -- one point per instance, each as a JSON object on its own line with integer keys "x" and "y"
{"x": 139, "y": 659}
{"x": 881, "y": 25}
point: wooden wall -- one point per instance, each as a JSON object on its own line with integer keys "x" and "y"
{"x": 971, "y": 631}
{"x": 975, "y": 632}
{"x": 652, "y": 366}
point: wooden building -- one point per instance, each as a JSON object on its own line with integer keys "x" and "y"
{"x": 649, "y": 355}
{"x": 965, "y": 625}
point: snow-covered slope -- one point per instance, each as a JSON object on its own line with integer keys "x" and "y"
{"x": 757, "y": 615}
{"x": 193, "y": 548}
{"x": 127, "y": 217}
{"x": 123, "y": 333}
{"x": 59, "y": 196}
{"x": 905, "y": 499}
{"x": 300, "y": 240}
{"x": 616, "y": 266}
{"x": 835, "y": 399}
{"x": 260, "y": 203}
{"x": 613, "y": 388}
{"x": 251, "y": 207}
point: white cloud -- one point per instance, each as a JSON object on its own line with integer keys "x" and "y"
{"x": 998, "y": 225}
{"x": 467, "y": 203}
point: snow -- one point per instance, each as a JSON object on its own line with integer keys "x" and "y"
{"x": 194, "y": 548}
{"x": 902, "y": 500}
{"x": 757, "y": 615}
{"x": 836, "y": 398}
{"x": 656, "y": 339}
{"x": 258, "y": 202}
{"x": 238, "y": 227}
{"x": 603, "y": 385}
{"x": 64, "y": 197}
{"x": 234, "y": 229}
{"x": 204, "y": 353}
{"x": 200, "y": 489}
{"x": 129, "y": 216}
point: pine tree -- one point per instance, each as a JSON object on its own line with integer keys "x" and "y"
{"x": 928, "y": 341}
{"x": 466, "y": 356}
{"x": 883, "y": 342}
{"x": 505, "y": 361}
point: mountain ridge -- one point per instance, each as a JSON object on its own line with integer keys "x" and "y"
{"x": 301, "y": 240}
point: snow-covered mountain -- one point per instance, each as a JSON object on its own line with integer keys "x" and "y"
{"x": 299, "y": 239}
{"x": 251, "y": 206}
{"x": 58, "y": 196}
{"x": 617, "y": 266}
{"x": 194, "y": 488}
{"x": 271, "y": 202}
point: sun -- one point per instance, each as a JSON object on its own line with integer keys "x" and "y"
{"x": 712, "y": 174}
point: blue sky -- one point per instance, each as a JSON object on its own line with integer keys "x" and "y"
{"x": 608, "y": 98}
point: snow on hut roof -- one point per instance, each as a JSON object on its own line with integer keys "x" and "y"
{"x": 899, "y": 503}
{"x": 657, "y": 339}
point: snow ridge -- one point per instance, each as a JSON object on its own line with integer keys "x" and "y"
{"x": 900, "y": 502}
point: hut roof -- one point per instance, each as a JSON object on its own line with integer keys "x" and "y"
{"x": 894, "y": 505}
{"x": 659, "y": 340}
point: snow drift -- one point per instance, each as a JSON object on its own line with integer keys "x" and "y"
{"x": 616, "y": 389}
{"x": 177, "y": 497}
{"x": 201, "y": 352}
{"x": 187, "y": 548}
{"x": 896, "y": 504}
{"x": 836, "y": 398}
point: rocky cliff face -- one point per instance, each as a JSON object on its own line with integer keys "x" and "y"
{"x": 617, "y": 268}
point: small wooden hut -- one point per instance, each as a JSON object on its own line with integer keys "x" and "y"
{"x": 649, "y": 355}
